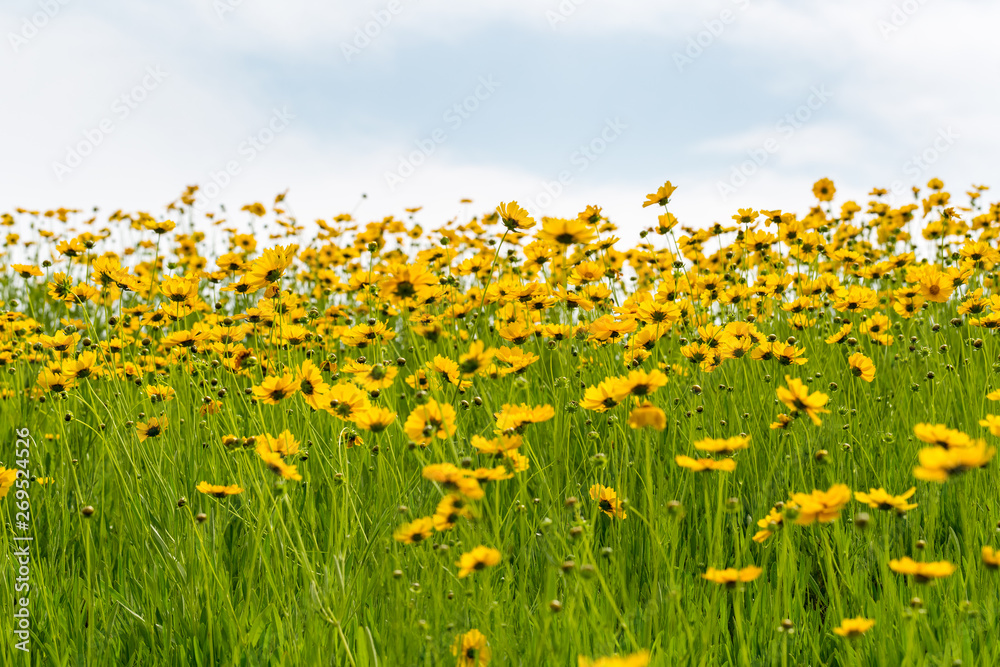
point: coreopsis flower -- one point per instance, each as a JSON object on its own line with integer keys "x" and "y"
{"x": 768, "y": 525}
{"x": 991, "y": 558}
{"x": 270, "y": 266}
{"x": 705, "y": 465}
{"x": 861, "y": 367}
{"x": 518, "y": 417}
{"x": 639, "y": 383}
{"x": 514, "y": 217}
{"x": 449, "y": 510}
{"x": 798, "y": 399}
{"x": 822, "y": 506}
{"x": 219, "y": 490}
{"x": 453, "y": 478}
{"x": 278, "y": 466}
{"x": 647, "y": 415}
{"x": 7, "y": 478}
{"x": 993, "y": 395}
{"x": 159, "y": 393}
{"x": 26, "y": 270}
{"x": 285, "y": 444}
{"x": 883, "y": 500}
{"x": 601, "y": 398}
{"x": 640, "y": 659}
{"x": 151, "y": 429}
{"x": 723, "y": 446}
{"x": 608, "y": 501}
{"x": 55, "y": 381}
{"x": 429, "y": 421}
{"x": 274, "y": 388}
{"x": 824, "y": 189}
{"x": 942, "y": 436}
{"x": 415, "y": 532}
{"x": 661, "y": 197}
{"x": 565, "y": 232}
{"x": 731, "y": 576}
{"x": 374, "y": 419}
{"x": 992, "y": 422}
{"x": 472, "y": 649}
{"x": 854, "y": 627}
{"x": 841, "y": 334}
{"x": 159, "y": 227}
{"x": 476, "y": 560}
{"x": 922, "y": 572}
{"x": 938, "y": 464}
{"x": 311, "y": 384}
{"x": 476, "y": 360}
{"x": 344, "y": 401}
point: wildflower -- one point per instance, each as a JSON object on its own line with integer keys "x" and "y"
{"x": 661, "y": 197}
{"x": 992, "y": 422}
{"x": 7, "y": 478}
{"x": 639, "y": 383}
{"x": 415, "y": 531}
{"x": 731, "y": 576}
{"x": 703, "y": 465}
{"x": 454, "y": 478}
{"x": 647, "y": 414}
{"x": 861, "y": 367}
{"x": 798, "y": 399}
{"x": 472, "y": 649}
{"x": 723, "y": 446}
{"x": 938, "y": 464}
{"x": 429, "y": 421}
{"x": 151, "y": 429}
{"x": 854, "y": 627}
{"x": 274, "y": 388}
{"x": 278, "y": 466}
{"x": 882, "y": 500}
{"x": 218, "y": 490}
{"x": 478, "y": 559}
{"x": 822, "y": 506}
{"x": 285, "y": 444}
{"x": 922, "y": 572}
{"x": 991, "y": 557}
{"x": 768, "y": 525}
{"x": 942, "y": 436}
{"x": 565, "y": 232}
{"x": 824, "y": 189}
{"x": 608, "y": 501}
{"x": 640, "y": 659}
{"x": 449, "y": 510}
{"x": 374, "y": 419}
{"x": 514, "y": 217}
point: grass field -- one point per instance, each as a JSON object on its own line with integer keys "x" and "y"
{"x": 503, "y": 441}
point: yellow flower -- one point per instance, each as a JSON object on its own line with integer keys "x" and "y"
{"x": 607, "y": 500}
{"x": 429, "y": 421}
{"x": 882, "y": 500}
{"x": 472, "y": 649}
{"x": 703, "y": 465}
{"x": 375, "y": 419}
{"x": 640, "y": 659}
{"x": 731, "y": 576}
{"x": 7, "y": 478}
{"x": 798, "y": 399}
{"x": 941, "y": 435}
{"x": 478, "y": 559}
{"x": 824, "y": 189}
{"x": 991, "y": 558}
{"x": 992, "y": 422}
{"x": 861, "y": 367}
{"x": 152, "y": 428}
{"x": 822, "y": 506}
{"x": 922, "y": 572}
{"x": 647, "y": 414}
{"x": 274, "y": 388}
{"x": 723, "y": 446}
{"x": 415, "y": 531}
{"x": 937, "y": 464}
{"x": 854, "y": 627}
{"x": 514, "y": 217}
{"x": 661, "y": 197}
{"x": 218, "y": 490}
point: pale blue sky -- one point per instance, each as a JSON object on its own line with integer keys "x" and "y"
{"x": 691, "y": 92}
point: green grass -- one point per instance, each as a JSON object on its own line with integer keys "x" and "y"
{"x": 308, "y": 572}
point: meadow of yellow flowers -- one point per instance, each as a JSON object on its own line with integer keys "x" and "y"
{"x": 496, "y": 440}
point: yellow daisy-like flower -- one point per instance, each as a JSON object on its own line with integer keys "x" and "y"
{"x": 478, "y": 559}
{"x": 854, "y": 627}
